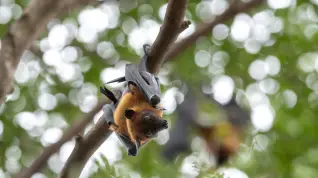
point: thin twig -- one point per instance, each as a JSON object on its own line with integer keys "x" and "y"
{"x": 205, "y": 28}
{"x": 184, "y": 26}
{"x": 68, "y": 134}
{"x": 84, "y": 149}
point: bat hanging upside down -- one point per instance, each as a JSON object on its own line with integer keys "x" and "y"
{"x": 136, "y": 117}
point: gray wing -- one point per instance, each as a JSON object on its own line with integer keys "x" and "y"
{"x": 131, "y": 148}
{"x": 143, "y": 79}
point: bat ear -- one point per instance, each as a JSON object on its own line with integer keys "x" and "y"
{"x": 129, "y": 113}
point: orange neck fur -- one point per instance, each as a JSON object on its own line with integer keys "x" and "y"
{"x": 135, "y": 100}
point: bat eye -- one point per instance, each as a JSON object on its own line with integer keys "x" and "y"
{"x": 148, "y": 134}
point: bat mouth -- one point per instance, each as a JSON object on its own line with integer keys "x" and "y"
{"x": 163, "y": 125}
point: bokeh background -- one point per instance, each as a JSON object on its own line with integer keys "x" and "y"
{"x": 266, "y": 58}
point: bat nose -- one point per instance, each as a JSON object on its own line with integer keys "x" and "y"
{"x": 165, "y": 124}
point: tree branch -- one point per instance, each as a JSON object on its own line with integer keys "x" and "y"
{"x": 172, "y": 26}
{"x": 205, "y": 28}
{"x": 84, "y": 149}
{"x": 68, "y": 134}
{"x": 23, "y": 32}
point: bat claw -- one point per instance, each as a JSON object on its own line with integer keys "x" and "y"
{"x": 113, "y": 126}
{"x": 146, "y": 49}
{"x": 185, "y": 24}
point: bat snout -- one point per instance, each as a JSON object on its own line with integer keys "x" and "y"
{"x": 164, "y": 124}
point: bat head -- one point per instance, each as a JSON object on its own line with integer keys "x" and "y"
{"x": 146, "y": 123}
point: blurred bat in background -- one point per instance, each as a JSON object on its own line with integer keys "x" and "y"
{"x": 222, "y": 138}
{"x": 179, "y": 135}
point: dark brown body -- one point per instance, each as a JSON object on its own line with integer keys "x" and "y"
{"x": 136, "y": 118}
